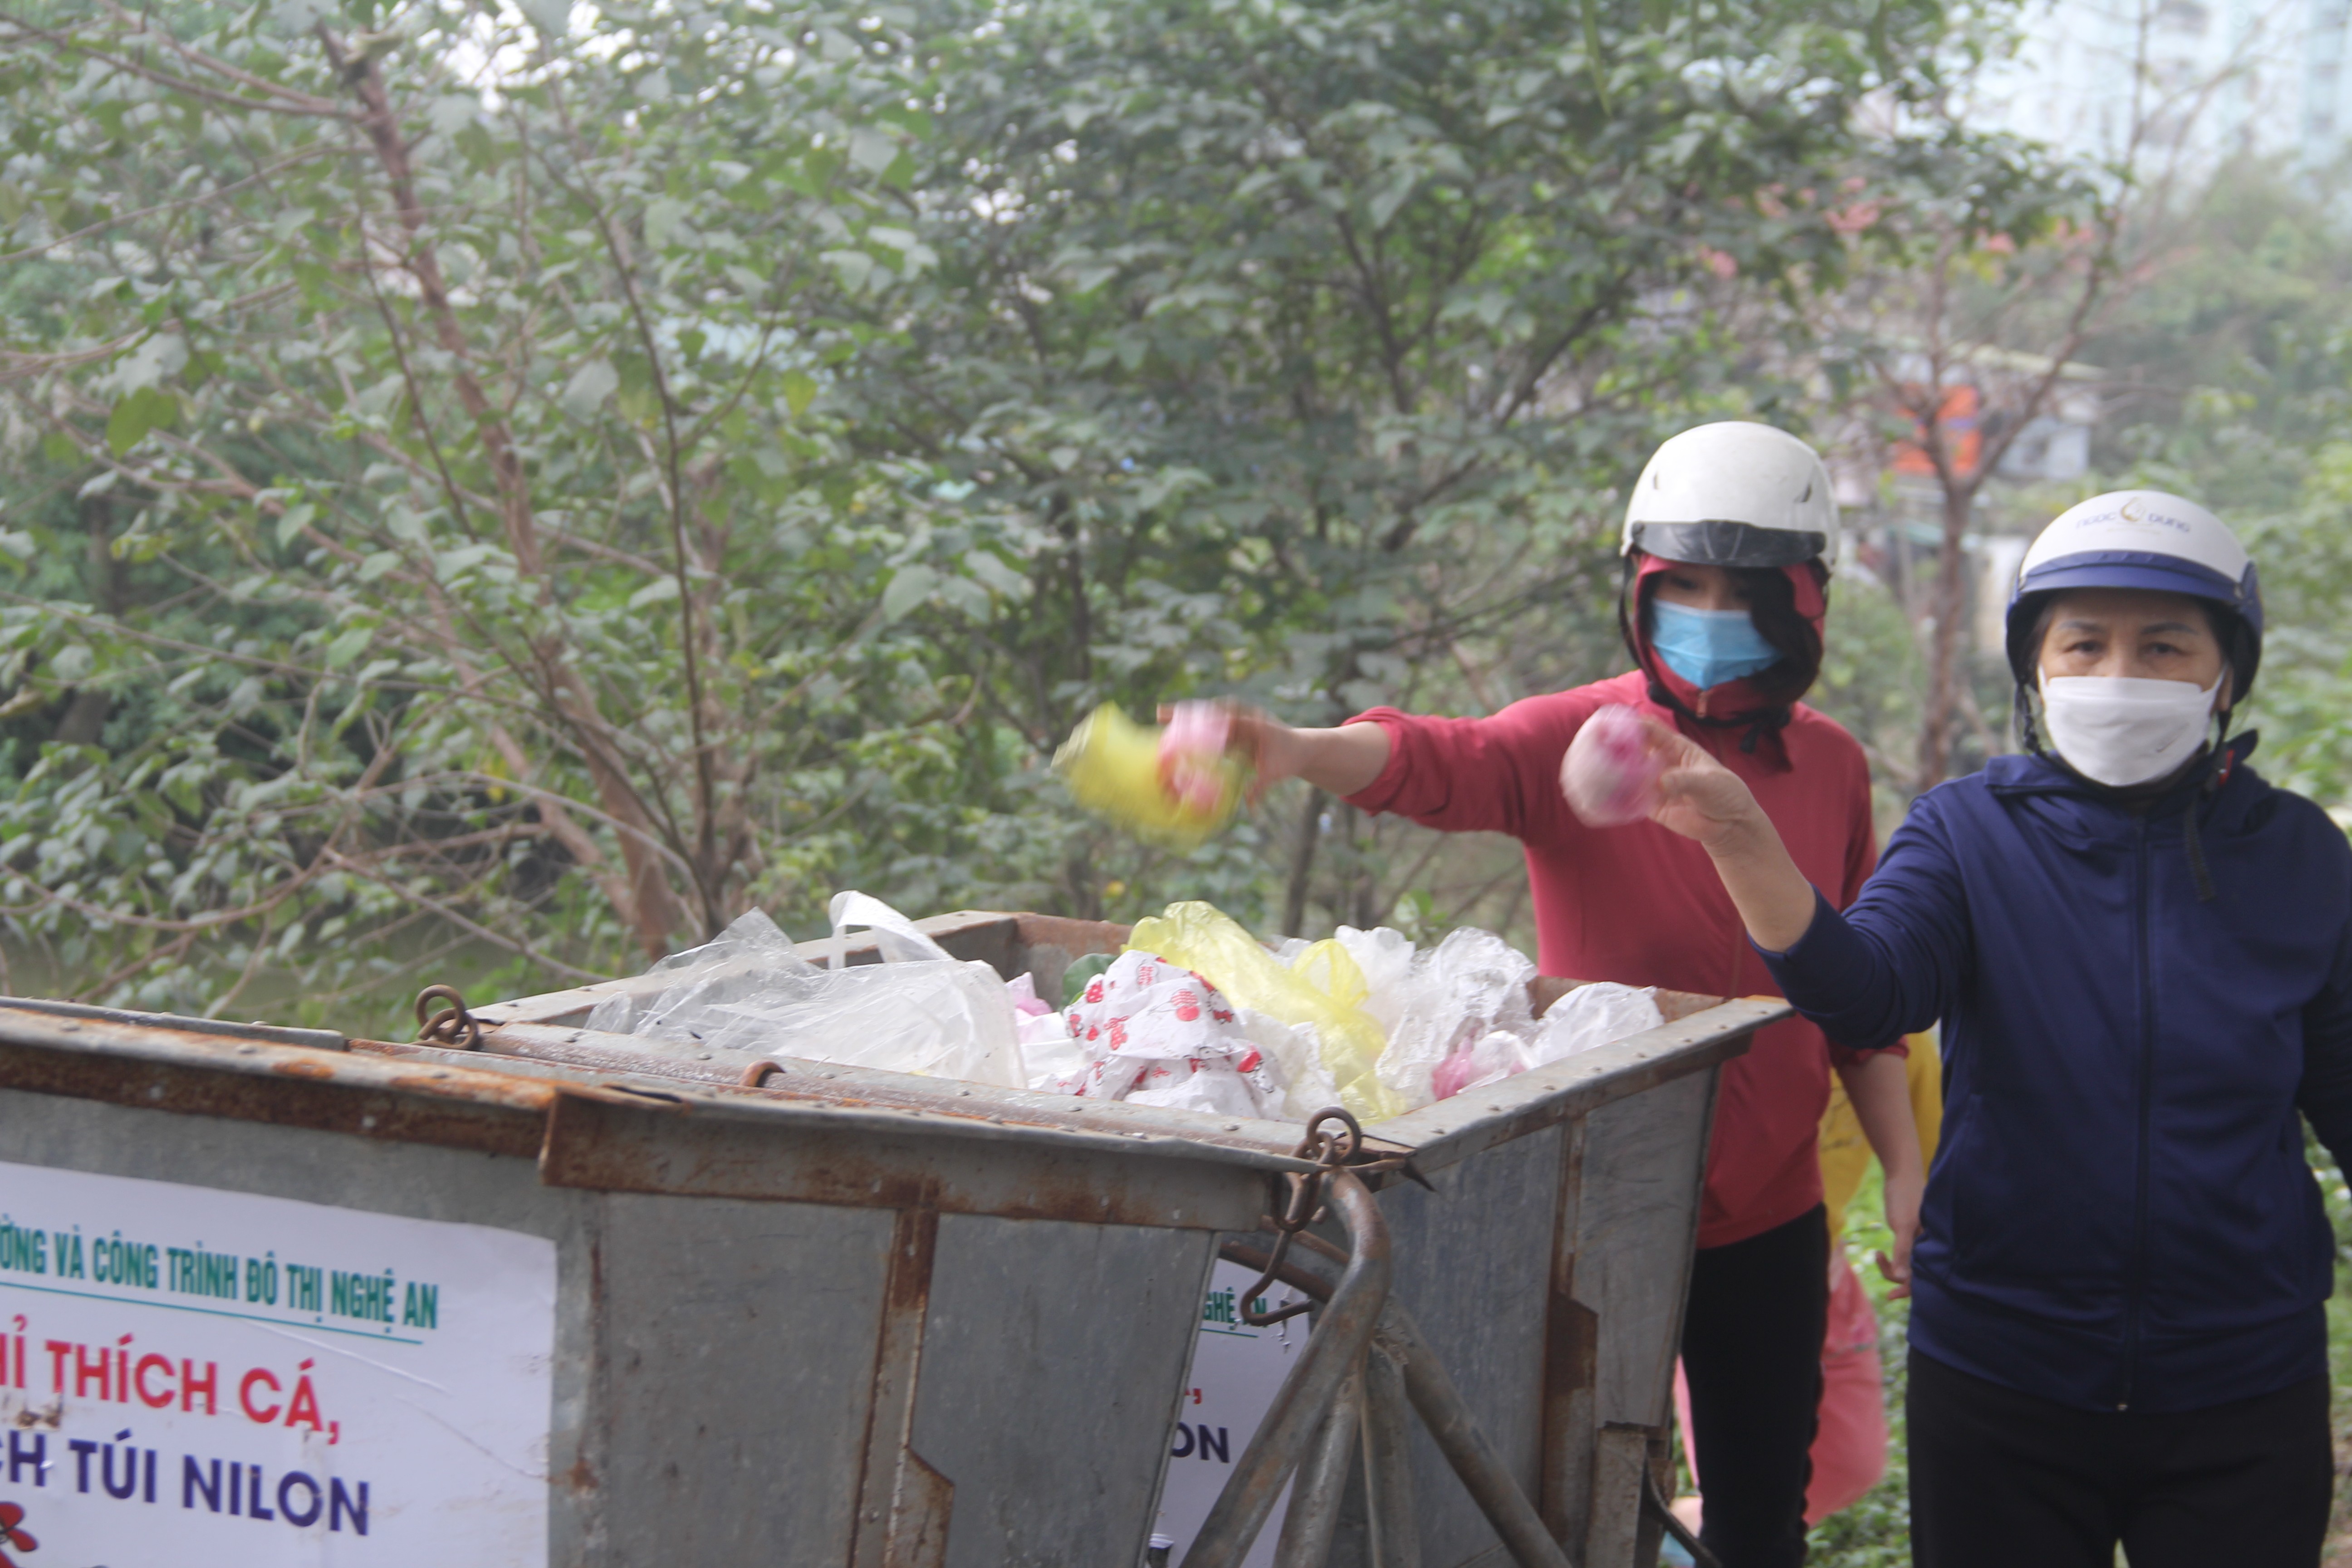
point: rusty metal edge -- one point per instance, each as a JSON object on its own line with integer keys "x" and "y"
{"x": 1435, "y": 1136}
{"x": 1452, "y": 1130}
{"x": 798, "y": 1079}
{"x": 840, "y": 1114}
{"x": 593, "y": 1144}
{"x": 297, "y": 1086}
{"x": 317, "y": 1039}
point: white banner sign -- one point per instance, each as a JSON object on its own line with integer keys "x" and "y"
{"x": 189, "y": 1375}
{"x": 1236, "y": 1369}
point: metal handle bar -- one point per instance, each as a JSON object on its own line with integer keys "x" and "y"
{"x": 1440, "y": 1405}
{"x": 1332, "y": 1353}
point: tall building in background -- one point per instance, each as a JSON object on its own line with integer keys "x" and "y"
{"x": 2204, "y": 80}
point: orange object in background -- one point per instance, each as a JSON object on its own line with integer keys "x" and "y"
{"x": 1956, "y": 419}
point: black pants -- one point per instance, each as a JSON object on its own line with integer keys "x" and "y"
{"x": 2001, "y": 1477}
{"x": 1752, "y": 1354}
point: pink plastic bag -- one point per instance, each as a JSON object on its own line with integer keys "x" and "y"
{"x": 1193, "y": 754}
{"x": 1479, "y": 1059}
{"x": 1612, "y": 770}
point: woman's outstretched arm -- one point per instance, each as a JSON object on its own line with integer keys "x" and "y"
{"x": 1342, "y": 761}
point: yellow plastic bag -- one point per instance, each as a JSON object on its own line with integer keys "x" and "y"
{"x": 1112, "y": 766}
{"x": 1324, "y": 988}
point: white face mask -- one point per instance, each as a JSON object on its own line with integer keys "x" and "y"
{"x": 2121, "y": 730}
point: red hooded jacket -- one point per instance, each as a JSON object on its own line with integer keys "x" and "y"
{"x": 1643, "y": 906}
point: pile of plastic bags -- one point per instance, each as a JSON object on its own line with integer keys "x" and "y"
{"x": 1196, "y": 1015}
{"x": 749, "y": 990}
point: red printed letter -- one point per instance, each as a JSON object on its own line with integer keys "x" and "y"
{"x": 102, "y": 1371}
{"x": 302, "y": 1410}
{"x": 191, "y": 1385}
{"x": 138, "y": 1380}
{"x": 245, "y": 1396}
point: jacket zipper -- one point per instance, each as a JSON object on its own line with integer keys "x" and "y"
{"x": 2138, "y": 1288}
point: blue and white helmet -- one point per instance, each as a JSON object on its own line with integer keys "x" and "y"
{"x": 2140, "y": 539}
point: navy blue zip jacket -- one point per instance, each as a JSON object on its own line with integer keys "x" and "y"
{"x": 2120, "y": 1215}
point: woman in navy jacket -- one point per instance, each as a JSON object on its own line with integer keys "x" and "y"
{"x": 2142, "y": 956}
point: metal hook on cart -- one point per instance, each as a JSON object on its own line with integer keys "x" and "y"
{"x": 452, "y": 1025}
{"x": 1330, "y": 1151}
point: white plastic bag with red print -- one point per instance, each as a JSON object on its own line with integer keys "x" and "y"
{"x": 1154, "y": 1034}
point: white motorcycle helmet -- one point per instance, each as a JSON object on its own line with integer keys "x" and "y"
{"x": 2140, "y": 539}
{"x": 1733, "y": 494}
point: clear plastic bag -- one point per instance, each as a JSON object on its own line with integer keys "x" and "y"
{"x": 918, "y": 1011}
{"x": 1049, "y": 1056}
{"x": 1324, "y": 990}
{"x": 1296, "y": 1054}
{"x": 1592, "y": 1016}
{"x": 1480, "y": 1060}
{"x": 1470, "y": 984}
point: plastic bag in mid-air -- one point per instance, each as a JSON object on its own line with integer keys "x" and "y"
{"x": 1611, "y": 772}
{"x": 1114, "y": 769}
{"x": 1323, "y": 990}
{"x": 918, "y": 1011}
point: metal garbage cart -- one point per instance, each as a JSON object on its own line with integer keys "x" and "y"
{"x": 272, "y": 1296}
{"x": 520, "y": 1294}
{"x": 1543, "y": 1252}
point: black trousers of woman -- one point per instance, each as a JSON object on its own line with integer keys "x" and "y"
{"x": 1752, "y": 1355}
{"x": 2007, "y": 1479}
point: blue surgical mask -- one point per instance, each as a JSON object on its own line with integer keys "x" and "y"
{"x": 1708, "y": 647}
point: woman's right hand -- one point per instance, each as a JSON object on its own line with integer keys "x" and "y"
{"x": 1341, "y": 760}
{"x": 1703, "y": 800}
{"x": 1698, "y": 798}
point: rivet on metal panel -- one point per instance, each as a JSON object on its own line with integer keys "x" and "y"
{"x": 452, "y": 1025}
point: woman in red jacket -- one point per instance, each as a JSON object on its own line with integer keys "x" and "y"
{"x": 1722, "y": 611}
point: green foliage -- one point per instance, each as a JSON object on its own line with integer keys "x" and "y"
{"x": 1312, "y": 347}
{"x": 479, "y": 568}
{"x": 2233, "y": 370}
{"x": 500, "y": 498}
